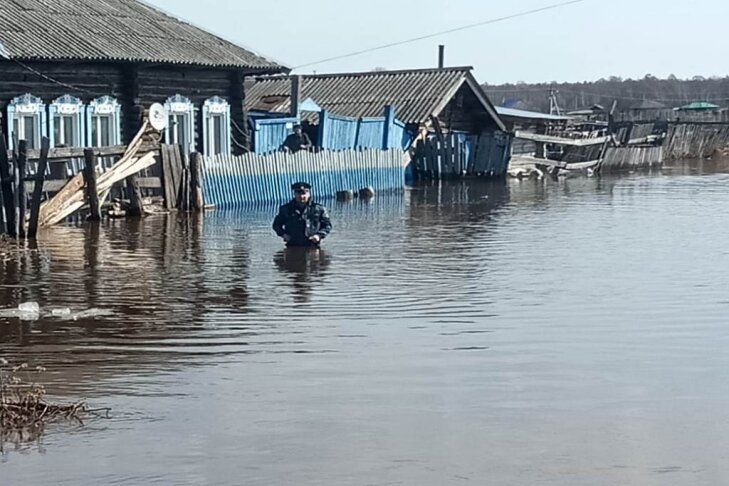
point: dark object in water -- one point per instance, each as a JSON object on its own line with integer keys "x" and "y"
{"x": 345, "y": 195}
{"x": 367, "y": 193}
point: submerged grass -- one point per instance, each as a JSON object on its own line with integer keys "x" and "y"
{"x": 24, "y": 412}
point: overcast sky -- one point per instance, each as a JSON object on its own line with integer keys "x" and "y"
{"x": 583, "y": 41}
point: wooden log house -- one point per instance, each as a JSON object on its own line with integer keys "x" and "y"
{"x": 82, "y": 72}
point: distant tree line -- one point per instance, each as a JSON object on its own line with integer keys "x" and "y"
{"x": 671, "y": 92}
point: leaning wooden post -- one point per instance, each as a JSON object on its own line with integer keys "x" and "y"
{"x": 20, "y": 188}
{"x": 136, "y": 203}
{"x": 92, "y": 194}
{"x": 198, "y": 201}
{"x": 184, "y": 187}
{"x": 6, "y": 184}
{"x": 38, "y": 188}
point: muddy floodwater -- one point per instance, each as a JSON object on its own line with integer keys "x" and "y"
{"x": 554, "y": 333}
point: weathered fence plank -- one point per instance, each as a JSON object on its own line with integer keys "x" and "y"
{"x": 92, "y": 195}
{"x": 6, "y": 184}
{"x": 40, "y": 174}
{"x": 20, "y": 199}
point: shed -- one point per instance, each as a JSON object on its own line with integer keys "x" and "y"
{"x": 451, "y": 95}
{"x": 83, "y": 71}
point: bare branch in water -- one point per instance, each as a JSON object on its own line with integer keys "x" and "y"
{"x": 23, "y": 411}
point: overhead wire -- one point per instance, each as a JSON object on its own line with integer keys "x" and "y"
{"x": 444, "y": 32}
{"x": 49, "y": 78}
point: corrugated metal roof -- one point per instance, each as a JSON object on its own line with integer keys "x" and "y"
{"x": 416, "y": 94}
{"x": 700, "y": 105}
{"x": 114, "y": 30}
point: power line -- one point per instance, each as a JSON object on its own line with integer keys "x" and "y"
{"x": 436, "y": 34}
{"x": 50, "y": 79}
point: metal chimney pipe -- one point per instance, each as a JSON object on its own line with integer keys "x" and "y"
{"x": 441, "y": 56}
{"x": 295, "y": 94}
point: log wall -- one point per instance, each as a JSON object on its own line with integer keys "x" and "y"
{"x": 135, "y": 86}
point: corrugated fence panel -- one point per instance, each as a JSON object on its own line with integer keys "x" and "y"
{"x": 255, "y": 178}
{"x": 340, "y": 133}
{"x": 371, "y": 133}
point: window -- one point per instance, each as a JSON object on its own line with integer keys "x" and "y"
{"x": 67, "y": 121}
{"x": 216, "y": 126}
{"x": 26, "y": 120}
{"x": 103, "y": 122}
{"x": 181, "y": 122}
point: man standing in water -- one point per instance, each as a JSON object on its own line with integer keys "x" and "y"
{"x": 302, "y": 222}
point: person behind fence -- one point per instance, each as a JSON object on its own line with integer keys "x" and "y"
{"x": 296, "y": 141}
{"x": 301, "y": 221}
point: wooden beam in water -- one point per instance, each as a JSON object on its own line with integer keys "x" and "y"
{"x": 136, "y": 204}
{"x": 22, "y": 199}
{"x": 6, "y": 187}
{"x": 196, "y": 161}
{"x": 92, "y": 195}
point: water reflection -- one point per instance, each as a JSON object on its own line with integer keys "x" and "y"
{"x": 305, "y": 267}
{"x": 434, "y": 325}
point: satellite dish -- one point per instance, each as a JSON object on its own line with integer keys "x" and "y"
{"x": 158, "y": 117}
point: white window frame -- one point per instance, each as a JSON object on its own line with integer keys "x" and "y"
{"x": 67, "y": 109}
{"x": 216, "y": 144}
{"x": 21, "y": 108}
{"x": 103, "y": 107}
{"x": 180, "y": 109}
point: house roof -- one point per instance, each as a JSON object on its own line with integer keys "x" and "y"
{"x": 416, "y": 94}
{"x": 531, "y": 115}
{"x": 649, "y": 105}
{"x": 114, "y": 30}
{"x": 592, "y": 110}
{"x": 700, "y": 105}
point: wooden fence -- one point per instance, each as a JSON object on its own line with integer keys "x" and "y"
{"x": 687, "y": 141}
{"x": 458, "y": 155}
{"x": 617, "y": 159}
{"x": 256, "y": 178}
{"x": 676, "y": 116}
{"x": 42, "y": 187}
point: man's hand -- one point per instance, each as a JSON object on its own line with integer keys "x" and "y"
{"x": 287, "y": 238}
{"x": 315, "y": 238}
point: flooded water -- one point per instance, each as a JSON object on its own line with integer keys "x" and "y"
{"x": 557, "y": 333}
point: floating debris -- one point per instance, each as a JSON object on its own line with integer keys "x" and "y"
{"x": 31, "y": 311}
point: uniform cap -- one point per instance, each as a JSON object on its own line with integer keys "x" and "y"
{"x": 300, "y": 186}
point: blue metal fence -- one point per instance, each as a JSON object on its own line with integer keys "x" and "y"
{"x": 370, "y": 133}
{"x": 338, "y": 132}
{"x": 254, "y": 178}
{"x": 335, "y": 132}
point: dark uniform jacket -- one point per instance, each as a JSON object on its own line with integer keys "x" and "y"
{"x": 302, "y": 222}
{"x": 294, "y": 142}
